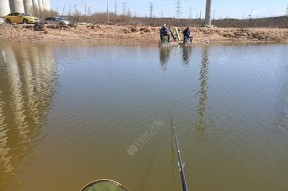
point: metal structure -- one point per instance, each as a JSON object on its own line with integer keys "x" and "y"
{"x": 23, "y": 6}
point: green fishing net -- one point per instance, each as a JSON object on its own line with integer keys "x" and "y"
{"x": 104, "y": 185}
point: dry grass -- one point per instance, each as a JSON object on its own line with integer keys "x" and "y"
{"x": 101, "y": 18}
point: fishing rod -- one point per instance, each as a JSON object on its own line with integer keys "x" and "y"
{"x": 180, "y": 163}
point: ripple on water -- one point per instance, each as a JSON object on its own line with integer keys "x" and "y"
{"x": 98, "y": 101}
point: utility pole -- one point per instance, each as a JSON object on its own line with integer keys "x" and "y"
{"x": 115, "y": 8}
{"x": 86, "y": 12}
{"x": 107, "y": 11}
{"x": 69, "y": 11}
{"x": 178, "y": 12}
{"x": 124, "y": 8}
{"x": 287, "y": 11}
{"x": 129, "y": 12}
{"x": 85, "y": 9}
{"x": 251, "y": 14}
{"x": 190, "y": 13}
{"x": 76, "y": 13}
{"x": 151, "y": 9}
{"x": 135, "y": 14}
{"x": 208, "y": 13}
{"x": 123, "y": 11}
{"x": 63, "y": 11}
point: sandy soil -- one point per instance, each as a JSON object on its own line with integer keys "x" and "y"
{"x": 114, "y": 34}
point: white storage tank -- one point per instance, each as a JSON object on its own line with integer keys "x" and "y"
{"x": 44, "y": 4}
{"x": 4, "y": 7}
{"x": 28, "y": 5}
{"x": 35, "y": 5}
{"x": 40, "y": 4}
{"x": 17, "y": 6}
{"x": 48, "y": 5}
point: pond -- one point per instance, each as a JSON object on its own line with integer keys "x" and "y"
{"x": 73, "y": 113}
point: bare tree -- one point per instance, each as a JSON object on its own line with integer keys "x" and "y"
{"x": 208, "y": 13}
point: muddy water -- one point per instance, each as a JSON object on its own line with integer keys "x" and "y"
{"x": 70, "y": 114}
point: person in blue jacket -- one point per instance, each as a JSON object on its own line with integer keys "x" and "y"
{"x": 164, "y": 31}
{"x": 186, "y": 35}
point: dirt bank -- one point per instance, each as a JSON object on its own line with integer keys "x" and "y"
{"x": 136, "y": 34}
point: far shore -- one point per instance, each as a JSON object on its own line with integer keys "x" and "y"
{"x": 142, "y": 35}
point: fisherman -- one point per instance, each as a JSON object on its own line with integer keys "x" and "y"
{"x": 186, "y": 35}
{"x": 164, "y": 31}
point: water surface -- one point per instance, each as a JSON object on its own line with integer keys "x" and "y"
{"x": 70, "y": 114}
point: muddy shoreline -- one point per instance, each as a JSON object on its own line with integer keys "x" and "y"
{"x": 142, "y": 35}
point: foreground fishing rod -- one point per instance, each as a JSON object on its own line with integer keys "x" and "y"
{"x": 109, "y": 185}
{"x": 180, "y": 163}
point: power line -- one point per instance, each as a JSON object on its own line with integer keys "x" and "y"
{"x": 124, "y": 8}
{"x": 178, "y": 11}
{"x": 115, "y": 8}
{"x": 107, "y": 10}
{"x": 190, "y": 13}
{"x": 151, "y": 9}
{"x": 123, "y": 11}
{"x": 69, "y": 11}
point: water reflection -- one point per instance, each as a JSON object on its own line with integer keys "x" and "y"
{"x": 282, "y": 105}
{"x": 187, "y": 51}
{"x": 202, "y": 93}
{"x": 164, "y": 57}
{"x": 27, "y": 80}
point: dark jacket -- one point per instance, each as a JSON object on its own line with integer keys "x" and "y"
{"x": 164, "y": 31}
{"x": 186, "y": 32}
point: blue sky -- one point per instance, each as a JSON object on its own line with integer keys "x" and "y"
{"x": 188, "y": 8}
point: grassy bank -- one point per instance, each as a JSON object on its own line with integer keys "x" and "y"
{"x": 101, "y": 18}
